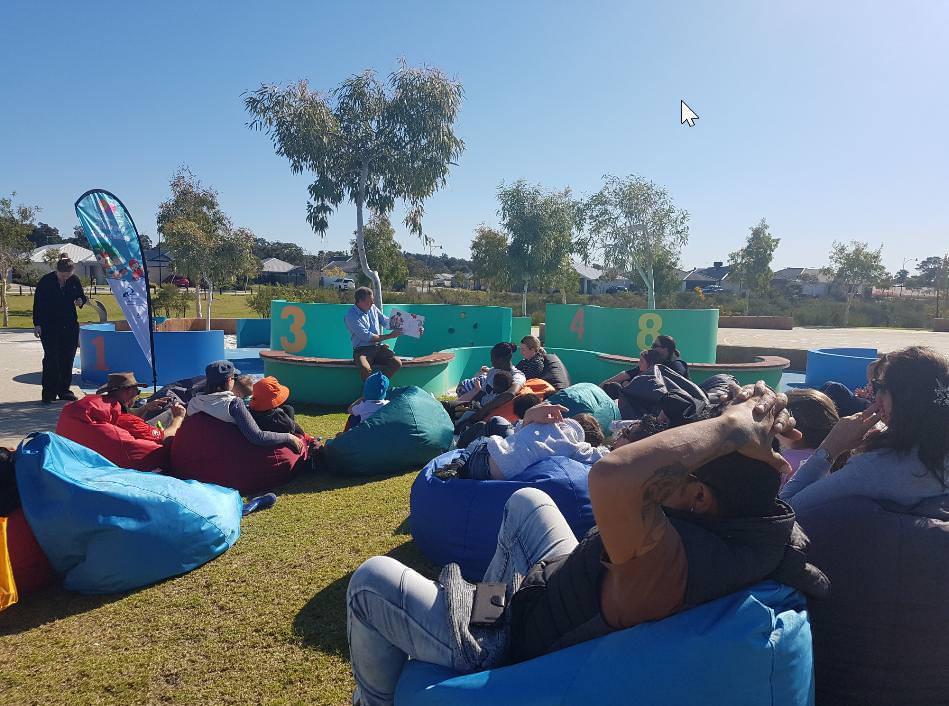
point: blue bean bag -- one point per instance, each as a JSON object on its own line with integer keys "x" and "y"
{"x": 458, "y": 520}
{"x": 108, "y": 529}
{"x": 752, "y": 648}
{"x": 589, "y": 398}
{"x": 400, "y": 437}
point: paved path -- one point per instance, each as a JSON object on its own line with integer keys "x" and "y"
{"x": 21, "y": 411}
{"x": 883, "y": 339}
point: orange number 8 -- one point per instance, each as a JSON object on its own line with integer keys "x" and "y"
{"x": 296, "y": 328}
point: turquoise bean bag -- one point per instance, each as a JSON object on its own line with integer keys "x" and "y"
{"x": 752, "y": 648}
{"x": 403, "y": 436}
{"x": 589, "y": 398}
{"x": 108, "y": 529}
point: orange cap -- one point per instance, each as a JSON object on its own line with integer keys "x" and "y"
{"x": 268, "y": 393}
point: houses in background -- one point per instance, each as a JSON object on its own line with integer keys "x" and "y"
{"x": 276, "y": 271}
{"x": 86, "y": 265}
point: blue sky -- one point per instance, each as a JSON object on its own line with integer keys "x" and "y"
{"x": 827, "y": 119}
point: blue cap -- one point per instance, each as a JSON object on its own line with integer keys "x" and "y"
{"x": 219, "y": 371}
{"x": 376, "y": 387}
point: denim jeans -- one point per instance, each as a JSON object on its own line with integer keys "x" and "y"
{"x": 394, "y": 613}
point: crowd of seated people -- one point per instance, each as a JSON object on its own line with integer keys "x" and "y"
{"x": 860, "y": 490}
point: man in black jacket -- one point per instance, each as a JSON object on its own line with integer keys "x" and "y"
{"x": 56, "y": 324}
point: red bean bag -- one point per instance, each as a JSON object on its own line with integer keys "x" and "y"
{"x": 31, "y": 569}
{"x": 91, "y": 422}
{"x": 212, "y": 451}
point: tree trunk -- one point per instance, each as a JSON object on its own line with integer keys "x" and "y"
{"x": 207, "y": 325}
{"x": 198, "y": 313}
{"x": 360, "y": 240}
{"x": 3, "y": 300}
{"x": 524, "y": 300}
{"x": 651, "y": 289}
{"x": 847, "y": 308}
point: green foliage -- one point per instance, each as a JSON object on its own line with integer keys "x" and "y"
{"x": 542, "y": 226}
{"x": 855, "y": 268}
{"x": 752, "y": 263}
{"x": 44, "y": 234}
{"x": 369, "y": 142}
{"x": 259, "y": 300}
{"x": 288, "y": 252}
{"x": 489, "y": 262}
{"x": 171, "y": 301}
{"x": 51, "y": 257}
{"x": 384, "y": 252}
{"x": 16, "y": 223}
{"x": 636, "y": 225}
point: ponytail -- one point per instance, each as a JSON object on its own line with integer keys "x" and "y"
{"x": 65, "y": 264}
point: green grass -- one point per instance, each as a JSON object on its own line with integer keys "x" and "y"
{"x": 264, "y": 623}
{"x": 224, "y": 306}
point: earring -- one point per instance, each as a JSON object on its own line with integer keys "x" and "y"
{"x": 692, "y": 509}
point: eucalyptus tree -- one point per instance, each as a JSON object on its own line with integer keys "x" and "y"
{"x": 371, "y": 142}
{"x": 751, "y": 265}
{"x": 855, "y": 267}
{"x": 543, "y": 227}
{"x": 636, "y": 225}
{"x": 16, "y": 223}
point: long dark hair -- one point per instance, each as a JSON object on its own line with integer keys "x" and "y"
{"x": 669, "y": 343}
{"x": 913, "y": 378}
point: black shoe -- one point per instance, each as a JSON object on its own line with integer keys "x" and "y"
{"x": 68, "y": 396}
{"x": 48, "y": 400}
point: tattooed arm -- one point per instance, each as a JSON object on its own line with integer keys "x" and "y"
{"x": 629, "y": 486}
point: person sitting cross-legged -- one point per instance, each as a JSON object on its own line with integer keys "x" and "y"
{"x": 684, "y": 517}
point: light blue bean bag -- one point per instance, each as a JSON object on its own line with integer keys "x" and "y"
{"x": 108, "y": 529}
{"x": 752, "y": 648}
{"x": 458, "y": 520}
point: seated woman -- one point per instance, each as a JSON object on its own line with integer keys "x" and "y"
{"x": 538, "y": 363}
{"x": 662, "y": 352}
{"x": 880, "y": 528}
{"x": 815, "y": 415}
{"x": 852, "y": 401}
{"x": 488, "y": 398}
{"x": 542, "y": 433}
{"x": 665, "y": 509}
{"x": 219, "y": 401}
{"x": 101, "y": 422}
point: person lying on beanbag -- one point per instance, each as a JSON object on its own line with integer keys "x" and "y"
{"x": 220, "y": 402}
{"x": 542, "y": 433}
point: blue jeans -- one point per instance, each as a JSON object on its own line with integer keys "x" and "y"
{"x": 394, "y": 613}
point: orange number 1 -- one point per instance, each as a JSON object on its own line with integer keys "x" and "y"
{"x": 98, "y": 342}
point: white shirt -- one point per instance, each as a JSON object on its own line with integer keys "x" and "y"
{"x": 531, "y": 443}
{"x": 367, "y": 408}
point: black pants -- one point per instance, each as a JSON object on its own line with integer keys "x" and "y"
{"x": 59, "y": 350}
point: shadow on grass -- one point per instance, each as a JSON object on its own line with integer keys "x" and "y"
{"x": 49, "y": 605}
{"x": 321, "y": 623}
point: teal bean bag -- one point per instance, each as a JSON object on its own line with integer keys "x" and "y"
{"x": 589, "y": 398}
{"x": 403, "y": 436}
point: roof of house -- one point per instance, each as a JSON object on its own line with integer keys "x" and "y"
{"x": 790, "y": 274}
{"x": 350, "y": 265}
{"x": 587, "y": 271}
{"x": 76, "y": 253}
{"x": 273, "y": 265}
{"x": 709, "y": 274}
{"x": 157, "y": 255}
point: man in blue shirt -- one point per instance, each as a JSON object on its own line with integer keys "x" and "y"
{"x": 366, "y": 323}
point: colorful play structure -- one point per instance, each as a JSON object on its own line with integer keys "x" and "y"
{"x": 310, "y": 351}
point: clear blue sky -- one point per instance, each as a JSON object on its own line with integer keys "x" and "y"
{"x": 828, "y": 119}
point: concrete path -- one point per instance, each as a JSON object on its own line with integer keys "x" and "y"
{"x": 883, "y": 339}
{"x": 21, "y": 412}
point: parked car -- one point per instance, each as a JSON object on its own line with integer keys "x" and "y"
{"x": 617, "y": 289}
{"x": 177, "y": 280}
{"x": 343, "y": 284}
{"x": 712, "y": 289}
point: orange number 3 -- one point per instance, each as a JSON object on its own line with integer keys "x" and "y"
{"x": 298, "y": 343}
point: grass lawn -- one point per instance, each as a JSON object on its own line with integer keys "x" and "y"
{"x": 264, "y": 623}
{"x": 225, "y": 306}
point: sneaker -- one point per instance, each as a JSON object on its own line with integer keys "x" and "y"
{"x": 261, "y": 502}
{"x": 68, "y": 396}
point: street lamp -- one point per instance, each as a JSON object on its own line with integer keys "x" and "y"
{"x": 903, "y": 269}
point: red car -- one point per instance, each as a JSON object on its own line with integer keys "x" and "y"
{"x": 177, "y": 280}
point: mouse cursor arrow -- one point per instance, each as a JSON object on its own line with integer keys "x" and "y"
{"x": 688, "y": 115}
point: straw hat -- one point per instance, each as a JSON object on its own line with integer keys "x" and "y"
{"x": 119, "y": 381}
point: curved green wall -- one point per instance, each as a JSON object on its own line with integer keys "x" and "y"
{"x": 318, "y": 330}
{"x": 628, "y": 331}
